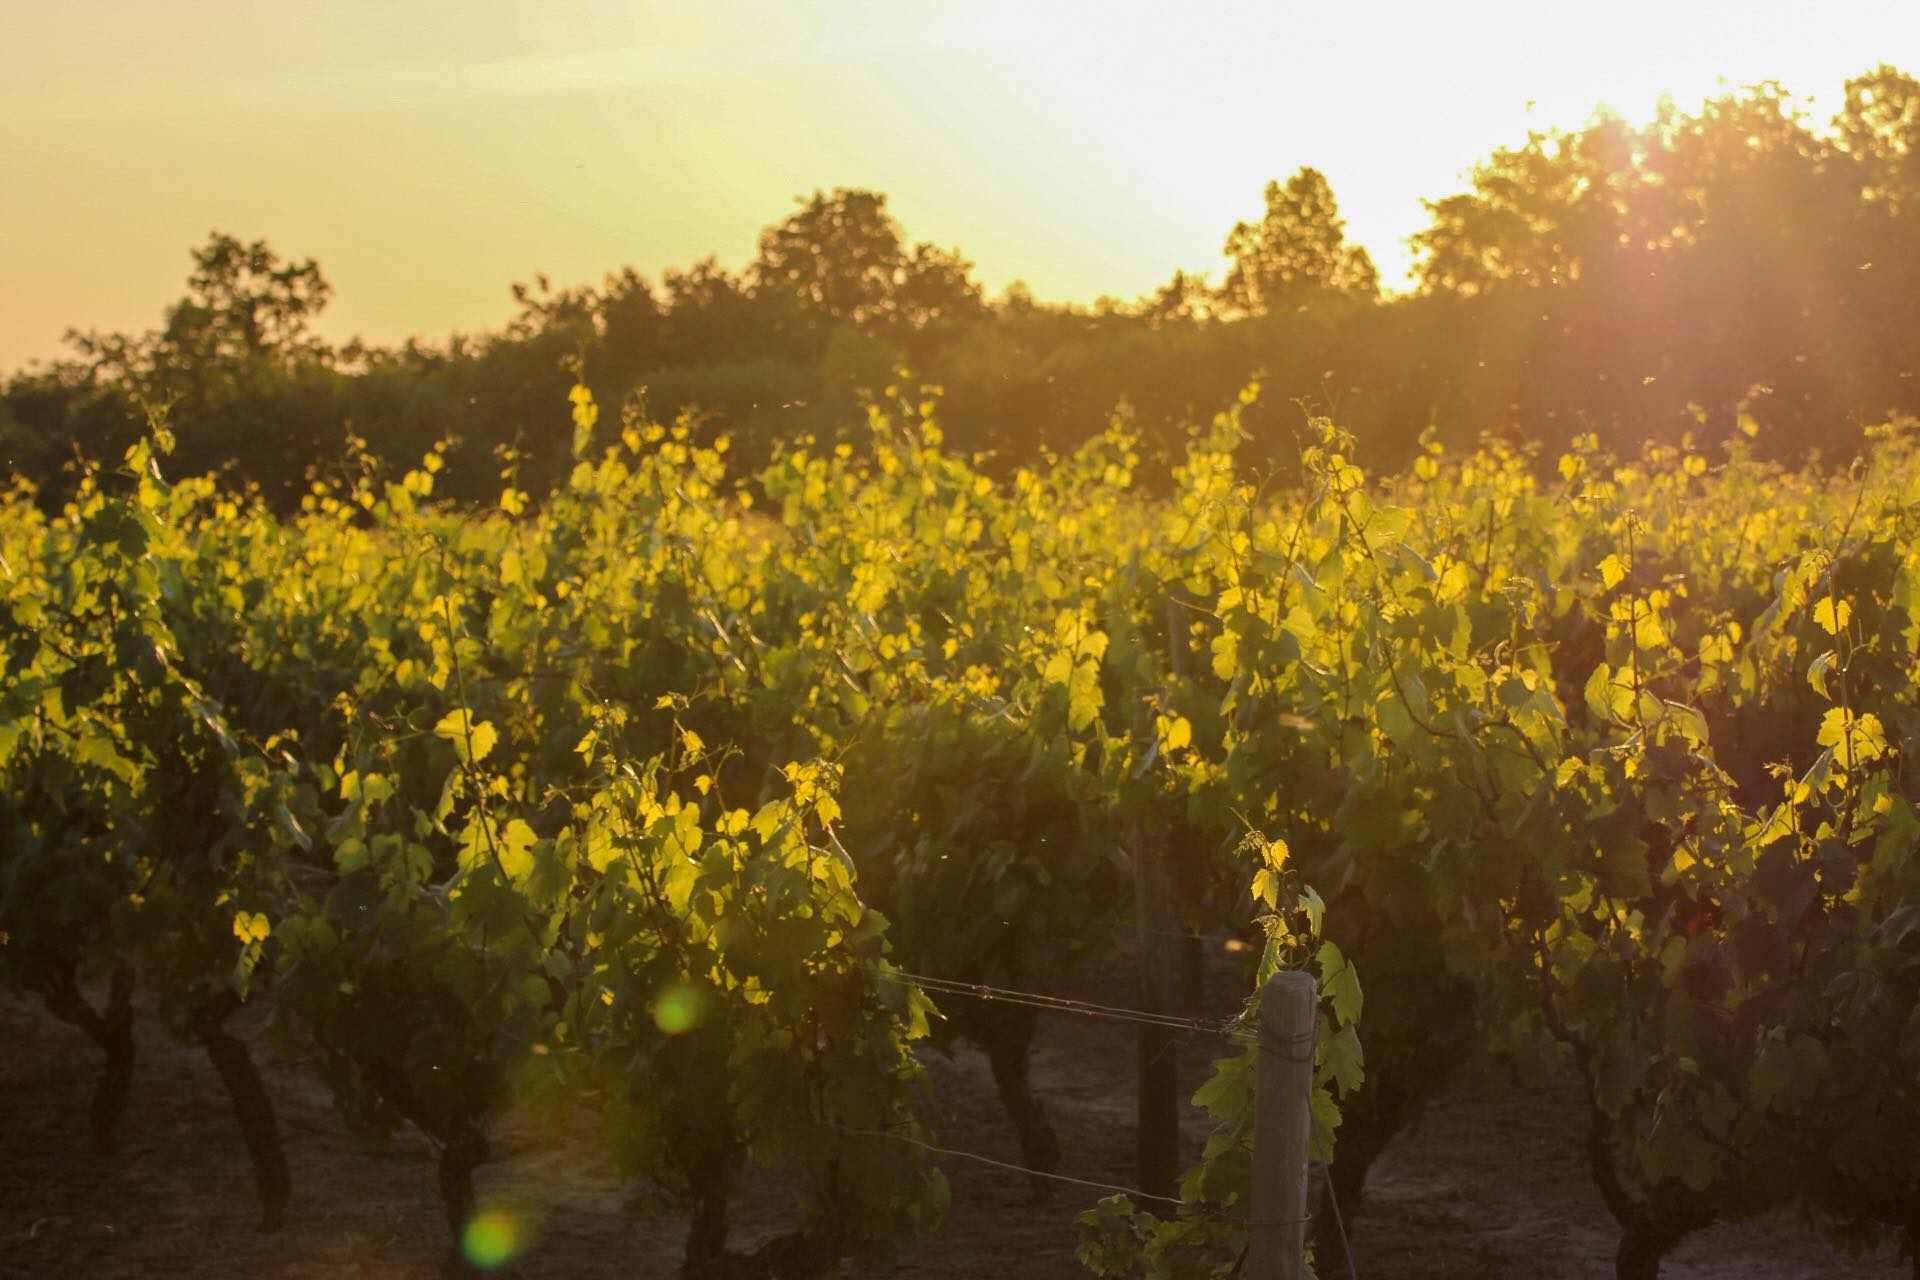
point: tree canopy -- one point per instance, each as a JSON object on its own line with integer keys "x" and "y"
{"x": 1297, "y": 254}
{"x": 842, "y": 256}
{"x": 1744, "y": 262}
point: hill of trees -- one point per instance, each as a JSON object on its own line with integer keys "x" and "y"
{"x": 1741, "y": 266}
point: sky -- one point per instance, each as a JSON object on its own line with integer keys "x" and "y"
{"x": 428, "y": 153}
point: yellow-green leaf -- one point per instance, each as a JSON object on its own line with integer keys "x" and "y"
{"x": 516, "y": 849}
{"x": 472, "y": 739}
{"x": 1647, "y": 631}
{"x": 1818, "y": 670}
{"x": 1339, "y": 983}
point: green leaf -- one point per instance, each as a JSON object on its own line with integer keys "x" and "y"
{"x": 1326, "y": 1121}
{"x": 1339, "y": 983}
{"x": 1831, "y": 617}
{"x": 1623, "y": 868}
{"x": 516, "y": 849}
{"x": 350, "y": 855}
{"x": 1648, "y": 633}
{"x": 1689, "y": 721}
{"x": 1394, "y": 720}
{"x": 1226, "y": 1091}
{"x": 1387, "y": 526}
{"x": 1854, "y": 739}
{"x": 585, "y": 415}
{"x": 471, "y": 739}
{"x": 1607, "y": 697}
{"x": 1343, "y": 1059}
{"x": 284, "y": 818}
{"x": 1817, "y": 672}
{"x": 1084, "y": 698}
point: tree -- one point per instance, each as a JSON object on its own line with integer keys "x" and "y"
{"x": 710, "y": 316}
{"x": 244, "y": 309}
{"x": 1185, "y": 299}
{"x": 1879, "y": 126}
{"x": 938, "y": 286}
{"x": 544, "y": 308}
{"x": 630, "y": 322}
{"x": 1543, "y": 213}
{"x": 842, "y": 256}
{"x": 1297, "y": 253}
{"x": 1747, "y": 169}
{"x": 1743, "y": 172}
{"x": 244, "y": 304}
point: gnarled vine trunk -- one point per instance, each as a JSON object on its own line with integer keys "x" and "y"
{"x": 112, "y": 1030}
{"x": 251, "y": 1106}
{"x": 1648, "y": 1232}
{"x": 1007, "y": 1036}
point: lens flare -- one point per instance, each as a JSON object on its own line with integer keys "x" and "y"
{"x": 679, "y": 1007}
{"x": 492, "y": 1239}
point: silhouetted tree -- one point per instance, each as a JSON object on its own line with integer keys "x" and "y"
{"x": 1541, "y": 213}
{"x": 839, "y": 256}
{"x": 243, "y": 303}
{"x": 1182, "y": 300}
{"x": 938, "y": 286}
{"x": 1297, "y": 253}
{"x": 1879, "y": 126}
{"x": 710, "y": 315}
{"x": 842, "y": 257}
{"x": 1631, "y": 280}
{"x": 632, "y": 324}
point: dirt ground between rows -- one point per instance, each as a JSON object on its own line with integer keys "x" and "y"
{"x": 1490, "y": 1189}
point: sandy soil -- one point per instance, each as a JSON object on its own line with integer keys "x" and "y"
{"x": 1485, "y": 1189}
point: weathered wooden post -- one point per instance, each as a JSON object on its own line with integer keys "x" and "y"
{"x": 1282, "y": 1120}
{"x": 1157, "y": 1116}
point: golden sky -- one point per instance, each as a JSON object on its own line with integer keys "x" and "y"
{"x": 429, "y": 152}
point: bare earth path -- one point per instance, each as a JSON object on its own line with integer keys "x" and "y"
{"x": 1486, "y": 1189}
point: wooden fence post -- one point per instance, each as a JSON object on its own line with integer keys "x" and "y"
{"x": 1282, "y": 1120}
{"x": 1157, "y": 1052}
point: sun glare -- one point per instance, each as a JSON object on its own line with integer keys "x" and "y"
{"x": 1085, "y": 149}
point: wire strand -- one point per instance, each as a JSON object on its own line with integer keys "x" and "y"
{"x": 1339, "y": 1223}
{"x": 1229, "y": 1029}
{"x": 1061, "y": 1004}
{"x": 1010, "y": 1167}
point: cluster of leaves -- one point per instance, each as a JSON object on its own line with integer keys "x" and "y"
{"x": 1596, "y": 767}
{"x": 146, "y": 823}
{"x": 366, "y": 756}
{"x": 537, "y": 806}
{"x": 1601, "y": 774}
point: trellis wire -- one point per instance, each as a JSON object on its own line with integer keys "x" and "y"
{"x": 1085, "y": 1008}
{"x": 1060, "y": 1004}
{"x": 1010, "y": 1167}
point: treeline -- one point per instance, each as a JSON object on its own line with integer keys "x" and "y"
{"x": 1744, "y": 263}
